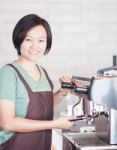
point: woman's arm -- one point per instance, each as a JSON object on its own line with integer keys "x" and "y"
{"x": 61, "y": 93}
{"x": 10, "y": 122}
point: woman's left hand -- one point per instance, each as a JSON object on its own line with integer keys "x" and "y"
{"x": 66, "y": 79}
{"x": 59, "y": 94}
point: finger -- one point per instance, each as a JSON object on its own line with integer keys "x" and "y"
{"x": 65, "y": 79}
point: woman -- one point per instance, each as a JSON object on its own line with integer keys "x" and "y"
{"x": 26, "y": 91}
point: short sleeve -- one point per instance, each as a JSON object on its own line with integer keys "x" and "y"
{"x": 7, "y": 83}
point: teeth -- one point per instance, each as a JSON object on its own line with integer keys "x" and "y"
{"x": 33, "y": 53}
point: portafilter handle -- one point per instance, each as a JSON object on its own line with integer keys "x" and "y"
{"x": 83, "y": 90}
{"x": 67, "y": 85}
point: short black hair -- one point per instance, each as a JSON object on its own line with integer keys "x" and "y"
{"x": 24, "y": 25}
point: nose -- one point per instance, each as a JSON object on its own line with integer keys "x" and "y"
{"x": 34, "y": 45}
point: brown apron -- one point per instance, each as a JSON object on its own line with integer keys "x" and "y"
{"x": 40, "y": 108}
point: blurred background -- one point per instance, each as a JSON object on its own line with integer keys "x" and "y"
{"x": 84, "y": 34}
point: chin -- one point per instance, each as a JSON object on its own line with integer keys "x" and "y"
{"x": 34, "y": 58}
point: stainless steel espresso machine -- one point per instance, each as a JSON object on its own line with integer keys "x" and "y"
{"x": 100, "y": 109}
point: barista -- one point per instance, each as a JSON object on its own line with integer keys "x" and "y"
{"x": 26, "y": 91}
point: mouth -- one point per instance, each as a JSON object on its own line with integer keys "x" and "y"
{"x": 34, "y": 52}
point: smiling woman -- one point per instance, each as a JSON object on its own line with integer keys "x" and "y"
{"x": 32, "y": 48}
{"x": 34, "y": 44}
{"x": 26, "y": 91}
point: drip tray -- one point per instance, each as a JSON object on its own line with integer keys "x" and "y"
{"x": 89, "y": 141}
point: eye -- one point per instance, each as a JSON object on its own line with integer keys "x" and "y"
{"x": 41, "y": 40}
{"x": 27, "y": 39}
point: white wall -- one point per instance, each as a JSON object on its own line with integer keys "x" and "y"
{"x": 84, "y": 33}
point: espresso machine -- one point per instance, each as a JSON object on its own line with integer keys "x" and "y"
{"x": 100, "y": 109}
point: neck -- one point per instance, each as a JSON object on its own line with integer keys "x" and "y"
{"x": 30, "y": 67}
{"x": 26, "y": 64}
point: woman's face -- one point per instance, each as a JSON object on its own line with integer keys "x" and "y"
{"x": 34, "y": 44}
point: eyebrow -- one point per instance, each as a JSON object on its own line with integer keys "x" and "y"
{"x": 37, "y": 37}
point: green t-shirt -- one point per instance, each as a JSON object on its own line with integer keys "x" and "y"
{"x": 13, "y": 89}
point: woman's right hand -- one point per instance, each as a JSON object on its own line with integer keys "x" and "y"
{"x": 64, "y": 122}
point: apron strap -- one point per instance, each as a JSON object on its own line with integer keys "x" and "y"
{"x": 51, "y": 84}
{"x": 21, "y": 77}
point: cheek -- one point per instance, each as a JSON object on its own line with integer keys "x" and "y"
{"x": 24, "y": 46}
{"x": 43, "y": 46}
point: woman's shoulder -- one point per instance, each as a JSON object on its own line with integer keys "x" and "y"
{"x": 7, "y": 70}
